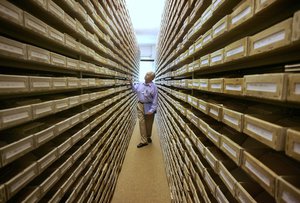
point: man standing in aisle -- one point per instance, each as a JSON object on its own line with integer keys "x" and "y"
{"x": 146, "y": 107}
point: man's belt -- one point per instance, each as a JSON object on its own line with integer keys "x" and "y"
{"x": 144, "y": 102}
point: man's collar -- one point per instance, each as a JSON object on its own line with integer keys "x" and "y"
{"x": 148, "y": 84}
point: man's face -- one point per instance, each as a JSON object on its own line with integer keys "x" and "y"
{"x": 148, "y": 77}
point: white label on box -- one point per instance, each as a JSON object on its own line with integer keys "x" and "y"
{"x": 195, "y": 84}
{"x": 296, "y": 148}
{"x": 276, "y": 37}
{"x": 11, "y": 48}
{"x": 206, "y": 39}
{"x": 262, "y": 87}
{"x": 12, "y": 84}
{"x": 41, "y": 84}
{"x": 214, "y": 112}
{"x": 206, "y": 15}
{"x": 43, "y": 110}
{"x": 216, "y": 3}
{"x": 15, "y": 117}
{"x": 242, "y": 14}
{"x": 231, "y": 119}
{"x": 9, "y": 12}
{"x": 260, "y": 131}
{"x": 22, "y": 181}
{"x": 212, "y": 136}
{"x": 202, "y": 107}
{"x": 203, "y": 84}
{"x": 258, "y": 174}
{"x": 233, "y": 87}
{"x": 297, "y": 88}
{"x": 288, "y": 197}
{"x": 220, "y": 28}
{"x": 198, "y": 45}
{"x": 235, "y": 51}
{"x": 39, "y": 55}
{"x": 216, "y": 58}
{"x": 229, "y": 149}
{"x": 17, "y": 150}
{"x": 216, "y": 86}
{"x": 37, "y": 26}
{"x": 194, "y": 103}
{"x": 226, "y": 180}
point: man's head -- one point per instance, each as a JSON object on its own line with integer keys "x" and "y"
{"x": 149, "y": 77}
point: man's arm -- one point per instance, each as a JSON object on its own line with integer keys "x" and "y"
{"x": 154, "y": 103}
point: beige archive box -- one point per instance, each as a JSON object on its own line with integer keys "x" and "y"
{"x": 38, "y": 54}
{"x": 269, "y": 86}
{"x": 60, "y": 83}
{"x": 57, "y": 60}
{"x": 12, "y": 49}
{"x": 221, "y": 27}
{"x": 293, "y": 91}
{"x": 272, "y": 38}
{"x": 233, "y": 86}
{"x": 216, "y": 4}
{"x": 215, "y": 110}
{"x": 204, "y": 61}
{"x": 204, "y": 84}
{"x": 216, "y": 57}
{"x": 15, "y": 116}
{"x": 11, "y": 13}
{"x": 198, "y": 44}
{"x": 35, "y": 25}
{"x": 296, "y": 26}
{"x": 203, "y": 106}
{"x": 71, "y": 42}
{"x": 292, "y": 146}
{"x": 262, "y": 4}
{"x": 233, "y": 118}
{"x": 42, "y": 109}
{"x": 40, "y": 83}
{"x": 236, "y": 50}
{"x": 69, "y": 21}
{"x": 288, "y": 189}
{"x": 242, "y": 13}
{"x": 216, "y": 85}
{"x": 213, "y": 135}
{"x": 56, "y": 35}
{"x": 207, "y": 37}
{"x": 14, "y": 84}
{"x": 207, "y": 14}
{"x": 55, "y": 10}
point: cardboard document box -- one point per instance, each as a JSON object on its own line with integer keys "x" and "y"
{"x": 42, "y": 109}
{"x": 207, "y": 37}
{"x": 15, "y": 116}
{"x": 56, "y": 35}
{"x": 11, "y": 13}
{"x": 207, "y": 14}
{"x": 293, "y": 93}
{"x": 288, "y": 189}
{"x": 50, "y": 180}
{"x": 220, "y": 27}
{"x": 60, "y": 83}
{"x": 70, "y": 42}
{"x": 269, "y": 86}
{"x": 35, "y": 25}
{"x": 296, "y": 26}
{"x": 204, "y": 61}
{"x": 292, "y": 147}
{"x": 198, "y": 44}
{"x": 216, "y": 57}
{"x": 262, "y": 4}
{"x": 49, "y": 155}
{"x": 45, "y": 134}
{"x": 12, "y": 49}
{"x": 38, "y": 54}
{"x": 69, "y": 21}
{"x": 233, "y": 86}
{"x": 13, "y": 84}
{"x": 242, "y": 13}
{"x": 40, "y": 83}
{"x": 272, "y": 38}
{"x": 55, "y": 10}
{"x": 236, "y": 50}
{"x": 216, "y": 85}
{"x": 57, "y": 60}
{"x": 72, "y": 63}
{"x": 80, "y": 29}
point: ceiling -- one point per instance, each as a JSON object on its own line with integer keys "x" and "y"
{"x": 146, "y": 17}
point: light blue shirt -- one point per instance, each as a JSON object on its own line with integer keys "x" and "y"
{"x": 147, "y": 93}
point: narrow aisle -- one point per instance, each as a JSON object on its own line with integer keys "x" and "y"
{"x": 143, "y": 177}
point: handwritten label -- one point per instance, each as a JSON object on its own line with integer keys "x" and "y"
{"x": 257, "y": 173}
{"x": 220, "y": 28}
{"x": 216, "y": 58}
{"x": 235, "y": 51}
{"x": 276, "y": 37}
{"x": 260, "y": 131}
{"x": 206, "y": 39}
{"x": 216, "y": 85}
{"x": 216, "y": 3}
{"x": 233, "y": 87}
{"x": 202, "y": 107}
{"x": 206, "y": 15}
{"x": 242, "y": 14}
{"x": 262, "y": 87}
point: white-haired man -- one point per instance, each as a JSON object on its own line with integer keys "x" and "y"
{"x": 147, "y": 104}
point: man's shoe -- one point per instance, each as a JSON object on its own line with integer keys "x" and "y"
{"x": 142, "y": 145}
{"x": 149, "y": 140}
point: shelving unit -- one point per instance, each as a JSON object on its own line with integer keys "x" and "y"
{"x": 229, "y": 104}
{"x": 67, "y": 110}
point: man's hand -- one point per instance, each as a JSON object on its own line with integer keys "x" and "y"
{"x": 148, "y": 113}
